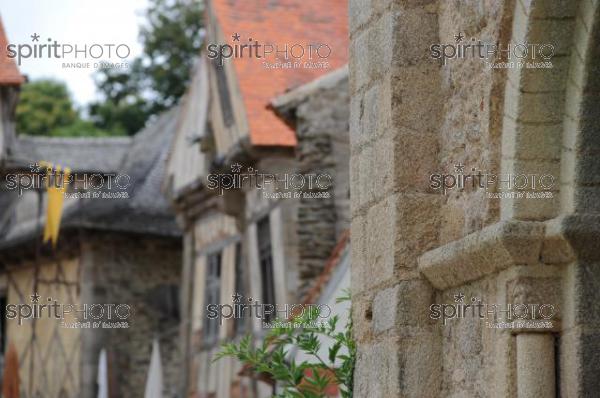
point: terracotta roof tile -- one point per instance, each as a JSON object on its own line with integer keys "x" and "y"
{"x": 9, "y": 73}
{"x": 280, "y": 22}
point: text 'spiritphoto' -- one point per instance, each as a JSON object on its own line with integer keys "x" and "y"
{"x": 299, "y": 199}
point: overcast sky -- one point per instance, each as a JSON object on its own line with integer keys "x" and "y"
{"x": 72, "y": 22}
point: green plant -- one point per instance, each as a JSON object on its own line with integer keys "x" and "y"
{"x": 307, "y": 379}
{"x": 44, "y": 106}
{"x": 157, "y": 78}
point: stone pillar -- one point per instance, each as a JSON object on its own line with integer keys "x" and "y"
{"x": 394, "y": 120}
{"x": 535, "y": 365}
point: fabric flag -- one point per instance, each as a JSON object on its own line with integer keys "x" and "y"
{"x": 10, "y": 379}
{"x": 154, "y": 383}
{"x": 56, "y": 198}
{"x": 102, "y": 379}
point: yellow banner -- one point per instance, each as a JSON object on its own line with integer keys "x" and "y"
{"x": 56, "y": 197}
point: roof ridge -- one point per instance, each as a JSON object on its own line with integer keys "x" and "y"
{"x": 78, "y": 140}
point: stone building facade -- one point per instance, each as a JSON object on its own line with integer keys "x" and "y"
{"x": 225, "y": 234}
{"x": 414, "y": 115}
{"x": 242, "y": 119}
{"x": 143, "y": 271}
{"x": 120, "y": 248}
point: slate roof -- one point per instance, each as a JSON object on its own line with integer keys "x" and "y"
{"x": 142, "y": 157}
{"x": 93, "y": 154}
{"x": 147, "y": 210}
{"x": 9, "y": 73}
{"x": 280, "y": 22}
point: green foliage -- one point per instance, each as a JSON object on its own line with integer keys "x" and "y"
{"x": 158, "y": 78}
{"x": 307, "y": 379}
{"x": 122, "y": 109}
{"x": 45, "y": 105}
{"x": 82, "y": 128}
{"x": 154, "y": 81}
{"x": 45, "y": 108}
{"x": 171, "y": 42}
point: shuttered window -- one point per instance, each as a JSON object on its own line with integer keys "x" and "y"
{"x": 266, "y": 264}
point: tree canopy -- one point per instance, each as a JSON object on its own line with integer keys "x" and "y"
{"x": 46, "y": 108}
{"x": 158, "y": 78}
{"x": 127, "y": 98}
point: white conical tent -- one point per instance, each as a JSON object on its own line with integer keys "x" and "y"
{"x": 154, "y": 382}
{"x": 102, "y": 379}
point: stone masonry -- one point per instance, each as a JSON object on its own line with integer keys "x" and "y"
{"x": 137, "y": 271}
{"x": 413, "y": 246}
{"x": 322, "y": 131}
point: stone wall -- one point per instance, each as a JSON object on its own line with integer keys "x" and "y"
{"x": 323, "y": 143}
{"x": 413, "y": 246}
{"x": 138, "y": 271}
{"x": 323, "y": 147}
{"x": 395, "y": 112}
{"x": 469, "y": 131}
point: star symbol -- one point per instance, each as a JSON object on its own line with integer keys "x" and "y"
{"x": 250, "y": 170}
{"x": 236, "y": 37}
{"x": 459, "y": 168}
{"x": 236, "y": 167}
{"x": 458, "y": 298}
{"x": 459, "y": 37}
{"x": 35, "y": 37}
{"x": 236, "y": 297}
{"x": 34, "y": 167}
{"x": 249, "y": 299}
{"x": 35, "y": 298}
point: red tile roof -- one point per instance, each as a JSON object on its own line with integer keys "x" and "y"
{"x": 9, "y": 73}
{"x": 280, "y": 22}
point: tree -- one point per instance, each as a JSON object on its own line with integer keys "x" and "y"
{"x": 171, "y": 42}
{"x": 122, "y": 108}
{"x": 158, "y": 78}
{"x": 154, "y": 82}
{"x": 83, "y": 128}
{"x": 44, "y": 106}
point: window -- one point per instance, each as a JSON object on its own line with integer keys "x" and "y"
{"x": 240, "y": 286}
{"x": 164, "y": 298}
{"x": 213, "y": 295}
{"x": 266, "y": 265}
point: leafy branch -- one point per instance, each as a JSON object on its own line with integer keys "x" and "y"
{"x": 306, "y": 379}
